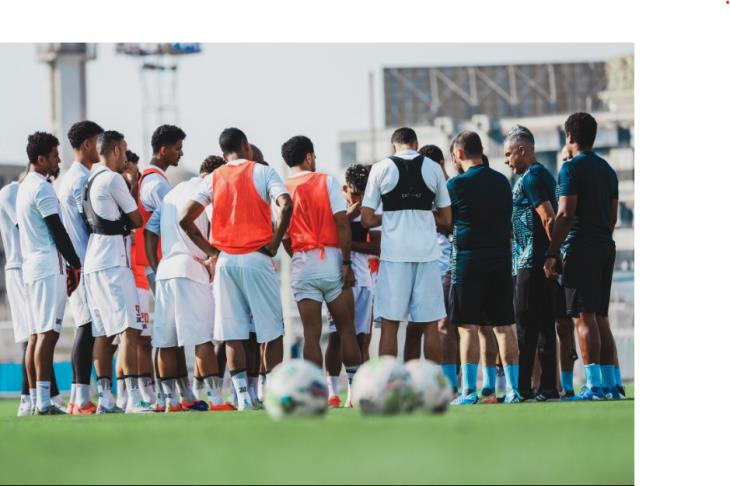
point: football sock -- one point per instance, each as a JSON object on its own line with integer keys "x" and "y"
{"x": 566, "y": 380}
{"x": 451, "y": 373}
{"x": 501, "y": 385}
{"x": 593, "y": 375}
{"x": 83, "y": 395}
{"x": 147, "y": 386}
{"x": 512, "y": 373}
{"x": 25, "y": 399}
{"x": 333, "y": 384}
{"x": 489, "y": 374}
{"x": 617, "y": 376}
{"x": 234, "y": 396}
{"x": 199, "y": 388}
{"x": 469, "y": 373}
{"x": 33, "y": 397}
{"x": 262, "y": 385}
{"x": 607, "y": 376}
{"x": 104, "y": 390}
{"x": 253, "y": 382}
{"x": 240, "y": 383}
{"x": 134, "y": 395}
{"x": 183, "y": 388}
{"x": 44, "y": 395}
{"x": 159, "y": 393}
{"x": 121, "y": 392}
{"x": 72, "y": 394}
{"x": 212, "y": 390}
{"x": 349, "y": 392}
{"x": 168, "y": 391}
{"x": 350, "y": 372}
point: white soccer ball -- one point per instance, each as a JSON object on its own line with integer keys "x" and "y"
{"x": 295, "y": 388}
{"x": 382, "y": 387}
{"x": 431, "y": 391}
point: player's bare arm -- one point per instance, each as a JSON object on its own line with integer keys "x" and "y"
{"x": 443, "y": 220}
{"x": 547, "y": 217}
{"x": 285, "y": 205}
{"x": 151, "y": 240}
{"x": 370, "y": 219}
{"x": 563, "y": 222}
{"x": 345, "y": 238}
{"x": 371, "y": 247}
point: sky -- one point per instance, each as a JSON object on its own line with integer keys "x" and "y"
{"x": 270, "y": 91}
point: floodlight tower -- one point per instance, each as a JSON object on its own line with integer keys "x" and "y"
{"x": 158, "y": 77}
{"x": 67, "y": 62}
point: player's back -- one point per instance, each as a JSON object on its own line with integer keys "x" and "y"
{"x": 8, "y": 226}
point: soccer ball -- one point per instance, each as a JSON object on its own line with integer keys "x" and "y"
{"x": 431, "y": 391}
{"x": 382, "y": 386}
{"x": 295, "y": 388}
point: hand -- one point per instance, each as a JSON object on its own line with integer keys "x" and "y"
{"x": 551, "y": 267}
{"x": 209, "y": 264}
{"x": 348, "y": 277}
{"x": 73, "y": 277}
{"x": 270, "y": 249}
{"x": 353, "y": 211}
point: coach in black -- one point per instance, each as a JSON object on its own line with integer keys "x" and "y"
{"x": 533, "y": 212}
{"x": 587, "y": 212}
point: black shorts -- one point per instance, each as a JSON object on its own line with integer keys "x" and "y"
{"x": 587, "y": 276}
{"x": 534, "y": 292}
{"x": 483, "y": 296}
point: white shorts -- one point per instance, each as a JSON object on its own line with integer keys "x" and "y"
{"x": 113, "y": 301}
{"x": 246, "y": 288}
{"x": 183, "y": 313}
{"x": 46, "y": 303}
{"x": 363, "y": 310}
{"x": 79, "y": 305}
{"x": 144, "y": 310}
{"x": 18, "y": 301}
{"x": 323, "y": 289}
{"x": 409, "y": 289}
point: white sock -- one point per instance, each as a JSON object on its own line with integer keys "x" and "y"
{"x": 83, "y": 395}
{"x": 253, "y": 382}
{"x": 160, "y": 393}
{"x": 262, "y": 385}
{"x": 44, "y": 395}
{"x": 148, "y": 388}
{"x": 168, "y": 390}
{"x": 349, "y": 391}
{"x": 25, "y": 399}
{"x": 121, "y": 393}
{"x": 212, "y": 390}
{"x": 240, "y": 382}
{"x": 134, "y": 395}
{"x": 333, "y": 385}
{"x": 234, "y": 396}
{"x": 104, "y": 387}
{"x": 350, "y": 372}
{"x": 72, "y": 394}
{"x": 199, "y": 390}
{"x": 183, "y": 388}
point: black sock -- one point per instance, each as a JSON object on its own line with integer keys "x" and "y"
{"x": 82, "y": 354}
{"x": 26, "y": 386}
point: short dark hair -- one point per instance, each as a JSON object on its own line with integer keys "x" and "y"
{"x": 404, "y": 136}
{"x": 432, "y": 152}
{"x": 40, "y": 143}
{"x": 166, "y": 135}
{"x": 211, "y": 163}
{"x": 82, "y": 131}
{"x": 470, "y": 143}
{"x": 108, "y": 140}
{"x": 582, "y": 127}
{"x": 296, "y": 149}
{"x": 231, "y": 139}
{"x": 357, "y": 176}
{"x": 132, "y": 157}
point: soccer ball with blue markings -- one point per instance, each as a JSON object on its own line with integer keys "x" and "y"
{"x": 382, "y": 386}
{"x": 295, "y": 388}
{"x": 431, "y": 391}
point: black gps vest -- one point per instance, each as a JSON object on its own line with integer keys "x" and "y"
{"x": 411, "y": 192}
{"x": 98, "y": 225}
{"x": 358, "y": 231}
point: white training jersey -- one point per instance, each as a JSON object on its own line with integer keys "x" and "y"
{"x": 407, "y": 235}
{"x": 154, "y": 189}
{"x": 179, "y": 253}
{"x": 71, "y": 196}
{"x": 360, "y": 266}
{"x": 109, "y": 197}
{"x": 37, "y": 200}
{"x": 9, "y": 226}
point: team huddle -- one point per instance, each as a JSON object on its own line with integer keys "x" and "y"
{"x": 461, "y": 260}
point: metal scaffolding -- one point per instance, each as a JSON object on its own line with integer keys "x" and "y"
{"x": 418, "y": 95}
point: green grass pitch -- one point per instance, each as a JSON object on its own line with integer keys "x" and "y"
{"x": 546, "y": 443}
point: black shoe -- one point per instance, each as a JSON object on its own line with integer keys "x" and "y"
{"x": 621, "y": 391}
{"x": 51, "y": 410}
{"x": 546, "y": 395}
{"x": 527, "y": 395}
{"x": 568, "y": 394}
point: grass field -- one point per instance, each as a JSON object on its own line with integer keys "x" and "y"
{"x": 546, "y": 443}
